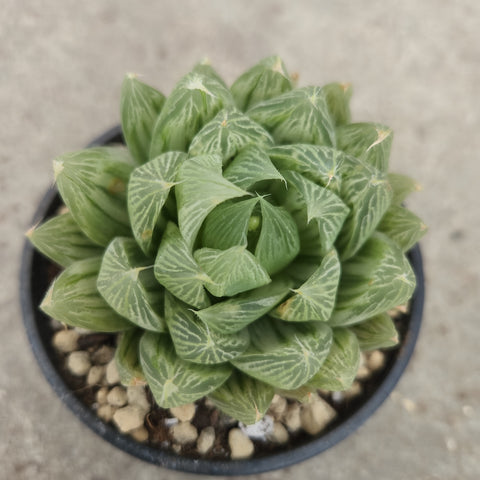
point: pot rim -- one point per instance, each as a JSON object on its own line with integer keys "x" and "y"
{"x": 203, "y": 466}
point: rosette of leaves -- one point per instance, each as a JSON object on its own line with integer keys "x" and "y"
{"x": 244, "y": 241}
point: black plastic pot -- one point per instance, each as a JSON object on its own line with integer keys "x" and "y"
{"x": 33, "y": 285}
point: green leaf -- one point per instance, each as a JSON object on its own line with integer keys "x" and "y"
{"x": 315, "y": 299}
{"x": 93, "y": 185}
{"x": 140, "y": 106}
{"x": 127, "y": 358}
{"x": 376, "y": 332}
{"x": 268, "y": 79}
{"x": 227, "y": 134}
{"x": 338, "y": 98}
{"x": 205, "y": 69}
{"x": 279, "y": 242}
{"x": 73, "y": 299}
{"x": 231, "y": 271}
{"x": 243, "y": 398}
{"x": 302, "y": 268}
{"x": 285, "y": 355}
{"x": 378, "y": 278}
{"x": 402, "y": 187}
{"x": 322, "y": 205}
{"x": 369, "y": 142}
{"x": 176, "y": 269}
{"x": 201, "y": 187}
{"x": 227, "y": 225}
{"x": 148, "y": 191}
{"x": 402, "y": 226}
{"x": 194, "y": 101}
{"x": 61, "y": 240}
{"x": 172, "y": 380}
{"x": 320, "y": 164}
{"x": 233, "y": 315}
{"x": 368, "y": 194}
{"x": 127, "y": 284}
{"x": 195, "y": 341}
{"x": 340, "y": 368}
{"x": 298, "y": 116}
{"x": 250, "y": 166}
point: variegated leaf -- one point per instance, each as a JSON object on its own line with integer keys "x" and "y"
{"x": 368, "y": 194}
{"x": 176, "y": 269}
{"x": 315, "y": 299}
{"x": 195, "y": 341}
{"x": 370, "y": 142}
{"x": 322, "y": 205}
{"x": 338, "y": 98}
{"x": 340, "y": 368}
{"x": 148, "y": 190}
{"x": 93, "y": 185}
{"x": 302, "y": 268}
{"x": 250, "y": 166}
{"x": 201, "y": 187}
{"x": 279, "y": 242}
{"x": 172, "y": 380}
{"x": 268, "y": 79}
{"x": 232, "y": 315}
{"x": 285, "y": 355}
{"x": 231, "y": 271}
{"x": 73, "y": 299}
{"x": 320, "y": 164}
{"x": 127, "y": 283}
{"x": 194, "y": 101}
{"x": 378, "y": 278}
{"x": 205, "y": 68}
{"x": 402, "y": 226}
{"x": 298, "y": 116}
{"x": 376, "y": 332}
{"x": 61, "y": 240}
{"x": 402, "y": 186}
{"x": 127, "y": 358}
{"x": 227, "y": 225}
{"x": 140, "y": 106}
{"x": 227, "y": 134}
{"x": 243, "y": 398}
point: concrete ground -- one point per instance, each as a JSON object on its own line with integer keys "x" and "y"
{"x": 415, "y": 66}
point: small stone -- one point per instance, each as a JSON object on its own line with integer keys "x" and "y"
{"x": 177, "y": 448}
{"x": 277, "y": 407}
{"x": 78, "y": 363}
{"x": 111, "y": 373}
{"x": 140, "y": 434}
{"x": 103, "y": 355}
{"x": 259, "y": 430}
{"x": 117, "y": 397}
{"x": 206, "y": 440}
{"x": 184, "y": 413}
{"x": 291, "y": 419}
{"x": 363, "y": 371}
{"x": 136, "y": 395}
{"x": 354, "y": 391}
{"x": 183, "y": 432}
{"x": 65, "y": 341}
{"x": 316, "y": 416}
{"x": 279, "y": 434}
{"x": 240, "y": 445}
{"x": 128, "y": 418}
{"x": 376, "y": 360}
{"x": 106, "y": 412}
{"x": 95, "y": 375}
{"x": 102, "y": 395}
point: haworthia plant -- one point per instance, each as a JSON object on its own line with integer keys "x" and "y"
{"x": 246, "y": 240}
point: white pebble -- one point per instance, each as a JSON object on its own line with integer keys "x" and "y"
{"x": 259, "y": 430}
{"x": 184, "y": 412}
{"x": 376, "y": 360}
{"x": 206, "y": 440}
{"x": 66, "y": 341}
{"x": 103, "y": 355}
{"x": 106, "y": 411}
{"x": 240, "y": 445}
{"x": 277, "y": 407}
{"x": 136, "y": 395}
{"x": 291, "y": 418}
{"x": 353, "y": 391}
{"x": 140, "y": 434}
{"x": 78, "y": 363}
{"x": 111, "y": 373}
{"x": 102, "y": 395}
{"x": 95, "y": 375}
{"x": 117, "y": 397}
{"x": 279, "y": 434}
{"x": 316, "y": 416}
{"x": 184, "y": 432}
{"x": 129, "y": 418}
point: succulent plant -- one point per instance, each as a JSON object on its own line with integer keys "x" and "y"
{"x": 246, "y": 240}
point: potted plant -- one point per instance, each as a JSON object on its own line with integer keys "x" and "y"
{"x": 244, "y": 245}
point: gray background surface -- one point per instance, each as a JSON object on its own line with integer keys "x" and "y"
{"x": 415, "y": 66}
